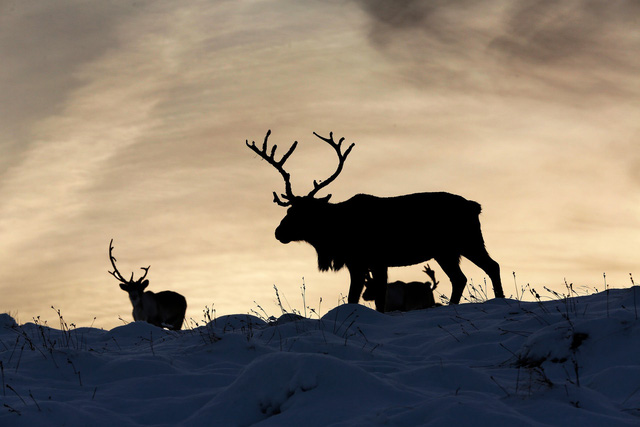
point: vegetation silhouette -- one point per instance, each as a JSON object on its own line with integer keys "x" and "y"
{"x": 369, "y": 234}
{"x": 403, "y": 296}
{"x": 165, "y": 309}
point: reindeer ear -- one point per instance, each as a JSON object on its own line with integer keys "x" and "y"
{"x": 144, "y": 284}
{"x": 123, "y": 286}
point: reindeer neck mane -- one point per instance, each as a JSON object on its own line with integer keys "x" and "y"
{"x": 330, "y": 253}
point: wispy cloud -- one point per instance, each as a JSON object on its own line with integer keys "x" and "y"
{"x": 43, "y": 45}
{"x": 580, "y": 47}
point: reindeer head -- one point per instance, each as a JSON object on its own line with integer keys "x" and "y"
{"x": 304, "y": 211}
{"x": 303, "y": 219}
{"x": 135, "y": 288}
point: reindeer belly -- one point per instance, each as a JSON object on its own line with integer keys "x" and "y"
{"x": 405, "y": 259}
{"x": 399, "y": 256}
{"x": 400, "y": 246}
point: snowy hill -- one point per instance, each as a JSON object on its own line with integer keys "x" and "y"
{"x": 567, "y": 361}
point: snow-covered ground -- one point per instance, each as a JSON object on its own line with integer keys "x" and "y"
{"x": 565, "y": 361}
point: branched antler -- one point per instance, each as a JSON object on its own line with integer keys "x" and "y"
{"x": 288, "y": 195}
{"x": 432, "y": 276}
{"x": 270, "y": 158}
{"x": 317, "y": 186}
{"x": 115, "y": 273}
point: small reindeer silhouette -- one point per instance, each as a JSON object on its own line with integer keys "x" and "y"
{"x": 401, "y": 296}
{"x": 165, "y": 309}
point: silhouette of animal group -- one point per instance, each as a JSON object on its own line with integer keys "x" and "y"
{"x": 370, "y": 234}
{"x": 366, "y": 234}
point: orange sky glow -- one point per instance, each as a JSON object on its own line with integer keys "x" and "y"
{"x": 128, "y": 120}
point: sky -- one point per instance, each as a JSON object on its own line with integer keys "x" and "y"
{"x": 128, "y": 121}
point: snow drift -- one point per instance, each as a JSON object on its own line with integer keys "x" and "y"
{"x": 502, "y": 362}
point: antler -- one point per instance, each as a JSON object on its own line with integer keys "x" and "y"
{"x": 432, "y": 275}
{"x": 341, "y": 157}
{"x": 288, "y": 195}
{"x": 115, "y": 273}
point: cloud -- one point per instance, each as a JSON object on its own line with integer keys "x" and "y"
{"x": 580, "y": 47}
{"x": 42, "y": 45}
{"x": 403, "y": 13}
{"x": 544, "y": 31}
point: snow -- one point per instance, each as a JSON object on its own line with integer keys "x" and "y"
{"x": 563, "y": 361}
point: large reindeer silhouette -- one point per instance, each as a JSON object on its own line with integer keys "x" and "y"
{"x": 165, "y": 309}
{"x": 368, "y": 233}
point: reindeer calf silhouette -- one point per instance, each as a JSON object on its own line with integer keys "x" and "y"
{"x": 165, "y": 309}
{"x": 403, "y": 296}
{"x": 368, "y": 233}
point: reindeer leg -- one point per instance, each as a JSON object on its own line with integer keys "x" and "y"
{"x": 380, "y": 279}
{"x": 450, "y": 264}
{"x": 358, "y": 275}
{"x": 482, "y": 259}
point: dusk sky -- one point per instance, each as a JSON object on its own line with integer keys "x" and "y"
{"x": 128, "y": 120}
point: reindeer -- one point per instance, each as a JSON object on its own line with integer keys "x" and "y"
{"x": 165, "y": 309}
{"x": 402, "y": 296}
{"x": 369, "y": 233}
